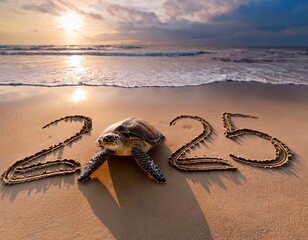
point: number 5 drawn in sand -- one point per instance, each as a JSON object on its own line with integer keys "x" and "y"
{"x": 283, "y": 153}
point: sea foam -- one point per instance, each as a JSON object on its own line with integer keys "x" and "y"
{"x": 145, "y": 66}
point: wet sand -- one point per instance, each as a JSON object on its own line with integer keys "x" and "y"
{"x": 249, "y": 203}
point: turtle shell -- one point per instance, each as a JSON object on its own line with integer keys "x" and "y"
{"x": 136, "y": 127}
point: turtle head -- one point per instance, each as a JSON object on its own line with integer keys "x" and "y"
{"x": 109, "y": 140}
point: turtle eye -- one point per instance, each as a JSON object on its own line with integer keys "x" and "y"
{"x": 107, "y": 138}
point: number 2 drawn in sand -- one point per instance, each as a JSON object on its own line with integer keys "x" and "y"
{"x": 29, "y": 169}
{"x": 197, "y": 163}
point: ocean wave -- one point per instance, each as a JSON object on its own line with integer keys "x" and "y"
{"x": 247, "y": 60}
{"x": 66, "y": 47}
{"x": 272, "y": 66}
{"x": 303, "y": 53}
{"x": 98, "y": 53}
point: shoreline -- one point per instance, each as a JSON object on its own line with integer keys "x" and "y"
{"x": 243, "y": 204}
{"x": 127, "y": 87}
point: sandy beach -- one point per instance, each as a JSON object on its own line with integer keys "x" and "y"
{"x": 249, "y": 203}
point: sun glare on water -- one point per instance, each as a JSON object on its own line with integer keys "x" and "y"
{"x": 70, "y": 22}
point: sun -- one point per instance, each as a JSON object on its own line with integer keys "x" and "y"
{"x": 70, "y": 22}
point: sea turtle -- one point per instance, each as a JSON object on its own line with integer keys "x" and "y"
{"x": 130, "y": 137}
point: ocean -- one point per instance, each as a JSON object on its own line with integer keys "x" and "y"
{"x": 145, "y": 66}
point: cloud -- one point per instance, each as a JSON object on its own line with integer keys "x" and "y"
{"x": 236, "y": 22}
{"x": 95, "y": 16}
{"x": 270, "y": 15}
{"x": 178, "y": 27}
{"x": 49, "y": 7}
{"x": 200, "y": 11}
{"x": 59, "y": 7}
{"x": 127, "y": 15}
{"x": 82, "y": 9}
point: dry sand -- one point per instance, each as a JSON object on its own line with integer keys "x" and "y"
{"x": 250, "y": 203}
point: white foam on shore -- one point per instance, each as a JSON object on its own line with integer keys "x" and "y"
{"x": 145, "y": 86}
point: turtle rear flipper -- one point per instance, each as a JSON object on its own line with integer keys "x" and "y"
{"x": 94, "y": 164}
{"x": 148, "y": 165}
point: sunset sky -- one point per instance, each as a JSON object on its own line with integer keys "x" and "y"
{"x": 184, "y": 22}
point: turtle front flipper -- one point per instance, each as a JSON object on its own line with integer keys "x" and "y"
{"x": 94, "y": 164}
{"x": 147, "y": 164}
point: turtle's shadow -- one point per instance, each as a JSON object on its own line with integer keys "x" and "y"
{"x": 144, "y": 209}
